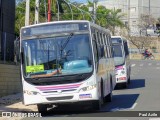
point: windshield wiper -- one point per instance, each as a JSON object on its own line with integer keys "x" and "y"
{"x": 66, "y": 42}
{"x": 62, "y": 47}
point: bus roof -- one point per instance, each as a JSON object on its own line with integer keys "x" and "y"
{"x": 122, "y": 38}
{"x": 54, "y": 22}
{"x": 116, "y": 37}
{"x": 67, "y": 21}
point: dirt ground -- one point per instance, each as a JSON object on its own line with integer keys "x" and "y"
{"x": 13, "y": 103}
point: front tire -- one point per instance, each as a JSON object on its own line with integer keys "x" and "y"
{"x": 42, "y": 108}
{"x": 98, "y": 104}
{"x": 125, "y": 85}
{"x": 129, "y": 80}
{"x": 108, "y": 98}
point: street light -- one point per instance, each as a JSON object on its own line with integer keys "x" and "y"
{"x": 128, "y": 17}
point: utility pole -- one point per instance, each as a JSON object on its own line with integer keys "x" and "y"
{"x": 149, "y": 8}
{"x": 49, "y": 10}
{"x": 27, "y": 12}
{"x": 94, "y": 10}
{"x": 37, "y": 12}
{"x": 129, "y": 15}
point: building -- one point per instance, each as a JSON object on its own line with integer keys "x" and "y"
{"x": 134, "y": 10}
{"x": 9, "y": 74}
{"x": 7, "y": 19}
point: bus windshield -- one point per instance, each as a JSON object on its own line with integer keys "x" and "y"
{"x": 61, "y": 55}
{"x": 118, "y": 54}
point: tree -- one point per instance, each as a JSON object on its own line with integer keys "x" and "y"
{"x": 102, "y": 12}
{"x": 146, "y": 20}
{"x": 114, "y": 20}
{"x": 141, "y": 42}
{"x": 20, "y": 15}
{"x": 105, "y": 17}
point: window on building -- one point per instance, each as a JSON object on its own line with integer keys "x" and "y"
{"x": 133, "y": 9}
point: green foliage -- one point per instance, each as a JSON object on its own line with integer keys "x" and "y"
{"x": 104, "y": 17}
{"x": 102, "y": 12}
{"x": 114, "y": 20}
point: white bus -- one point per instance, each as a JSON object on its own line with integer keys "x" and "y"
{"x": 122, "y": 61}
{"x": 66, "y": 62}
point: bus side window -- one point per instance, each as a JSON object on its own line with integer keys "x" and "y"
{"x": 102, "y": 51}
{"x": 95, "y": 50}
{"x": 106, "y": 51}
{"x": 112, "y": 52}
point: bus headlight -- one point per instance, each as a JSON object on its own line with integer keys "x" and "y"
{"x": 30, "y": 92}
{"x": 88, "y": 88}
{"x": 33, "y": 93}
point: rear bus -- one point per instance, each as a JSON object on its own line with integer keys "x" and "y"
{"x": 122, "y": 61}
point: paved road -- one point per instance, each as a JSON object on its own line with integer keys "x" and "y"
{"x": 141, "y": 95}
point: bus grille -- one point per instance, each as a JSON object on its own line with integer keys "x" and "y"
{"x": 59, "y": 98}
{"x": 70, "y": 90}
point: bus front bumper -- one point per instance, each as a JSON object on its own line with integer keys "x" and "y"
{"x": 38, "y": 98}
{"x": 121, "y": 79}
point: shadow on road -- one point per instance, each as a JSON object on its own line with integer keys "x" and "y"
{"x": 120, "y": 102}
{"x": 135, "y": 83}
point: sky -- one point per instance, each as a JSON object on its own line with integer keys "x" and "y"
{"x": 83, "y": 1}
{"x": 80, "y": 1}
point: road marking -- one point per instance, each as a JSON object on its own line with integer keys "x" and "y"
{"x": 133, "y": 106}
{"x": 118, "y": 109}
{"x": 114, "y": 109}
{"x": 133, "y": 65}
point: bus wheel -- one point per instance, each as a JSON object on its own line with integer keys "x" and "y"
{"x": 125, "y": 85}
{"x": 129, "y": 80}
{"x": 42, "y": 108}
{"x": 108, "y": 98}
{"x": 98, "y": 104}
